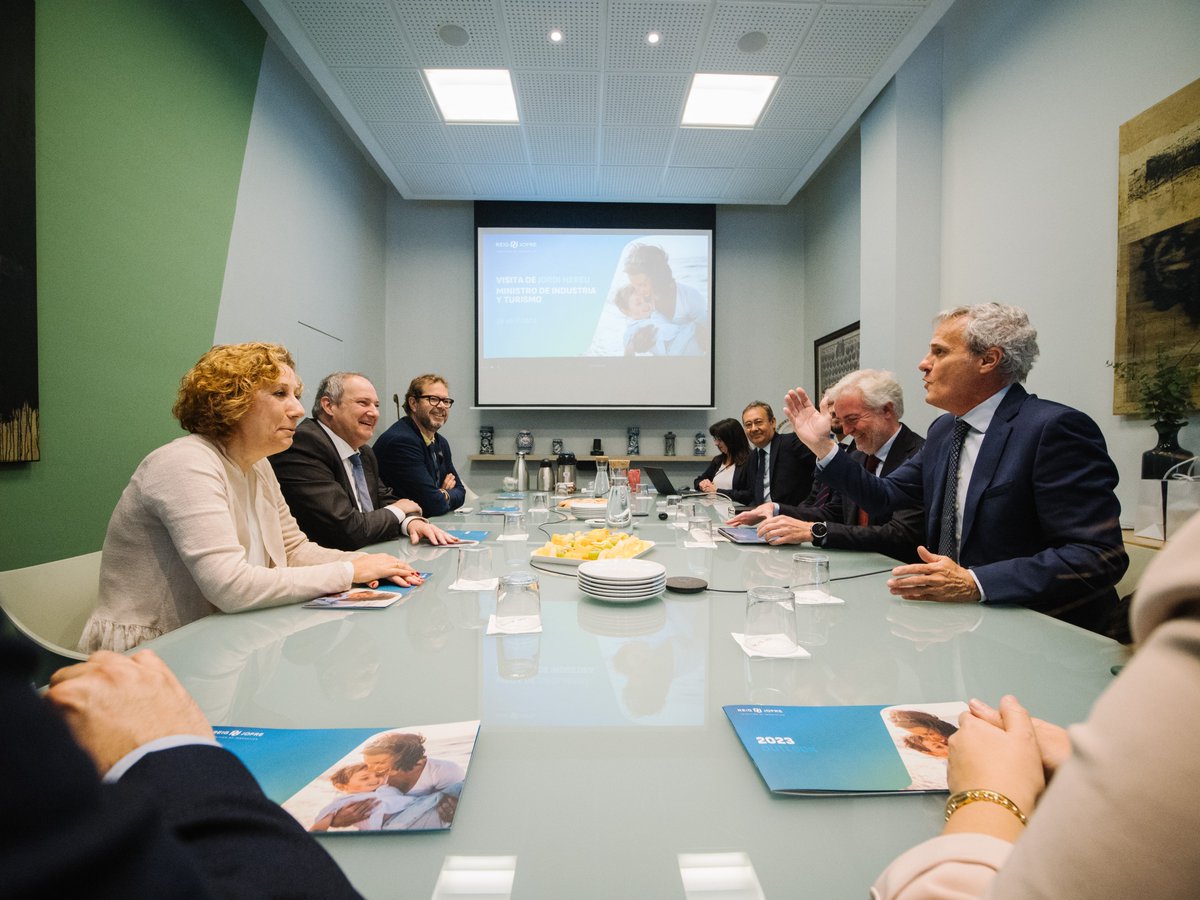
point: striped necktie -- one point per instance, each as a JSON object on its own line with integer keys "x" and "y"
{"x": 948, "y": 539}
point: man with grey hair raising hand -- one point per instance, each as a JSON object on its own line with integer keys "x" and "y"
{"x": 1018, "y": 492}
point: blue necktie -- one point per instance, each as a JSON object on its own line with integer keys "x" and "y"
{"x": 947, "y": 540}
{"x": 360, "y": 483}
{"x": 760, "y": 495}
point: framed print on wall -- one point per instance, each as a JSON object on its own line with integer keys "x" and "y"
{"x": 834, "y": 355}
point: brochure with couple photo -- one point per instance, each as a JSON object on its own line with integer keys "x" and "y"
{"x": 822, "y": 750}
{"x": 353, "y": 780}
{"x": 367, "y": 598}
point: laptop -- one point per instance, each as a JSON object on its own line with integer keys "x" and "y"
{"x": 661, "y": 482}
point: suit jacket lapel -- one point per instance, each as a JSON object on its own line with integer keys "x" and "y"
{"x": 990, "y": 453}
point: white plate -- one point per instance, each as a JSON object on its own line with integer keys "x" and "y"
{"x": 575, "y": 562}
{"x": 600, "y": 589}
{"x": 622, "y": 570}
{"x": 585, "y": 507}
{"x": 633, "y": 598}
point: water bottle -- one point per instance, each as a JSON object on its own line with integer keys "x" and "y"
{"x": 602, "y": 484}
{"x": 618, "y": 513}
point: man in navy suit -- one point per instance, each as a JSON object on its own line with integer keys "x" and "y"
{"x": 787, "y": 475}
{"x": 414, "y": 460}
{"x": 868, "y": 403}
{"x": 330, "y": 477}
{"x": 1018, "y": 492}
{"x": 176, "y": 816}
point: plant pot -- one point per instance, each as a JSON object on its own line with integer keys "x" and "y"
{"x": 1166, "y": 453}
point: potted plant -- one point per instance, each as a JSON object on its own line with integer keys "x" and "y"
{"x": 1163, "y": 390}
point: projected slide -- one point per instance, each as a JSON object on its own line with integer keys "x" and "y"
{"x": 566, "y": 312}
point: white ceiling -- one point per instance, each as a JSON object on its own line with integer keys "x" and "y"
{"x": 599, "y": 112}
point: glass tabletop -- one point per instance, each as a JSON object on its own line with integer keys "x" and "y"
{"x": 604, "y": 763}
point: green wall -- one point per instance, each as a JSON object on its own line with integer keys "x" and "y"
{"x": 143, "y": 109}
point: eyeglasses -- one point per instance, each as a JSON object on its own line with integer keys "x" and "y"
{"x": 438, "y": 401}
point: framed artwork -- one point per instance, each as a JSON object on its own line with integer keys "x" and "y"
{"x": 834, "y": 355}
{"x": 1158, "y": 238}
{"x": 19, "y": 441}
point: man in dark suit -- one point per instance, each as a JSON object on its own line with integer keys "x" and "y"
{"x": 868, "y": 403}
{"x": 787, "y": 475}
{"x": 330, "y": 478}
{"x": 176, "y": 816}
{"x": 1018, "y": 492}
{"x": 414, "y": 459}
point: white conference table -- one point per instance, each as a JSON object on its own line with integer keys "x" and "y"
{"x": 604, "y": 765}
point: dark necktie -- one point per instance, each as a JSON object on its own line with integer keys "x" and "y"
{"x": 947, "y": 540}
{"x": 360, "y": 483}
{"x": 760, "y": 493}
{"x": 871, "y": 463}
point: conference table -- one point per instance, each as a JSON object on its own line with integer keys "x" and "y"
{"x": 604, "y": 764}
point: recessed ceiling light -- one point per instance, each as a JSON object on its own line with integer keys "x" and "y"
{"x": 454, "y": 35}
{"x": 653, "y": 38}
{"x": 556, "y": 35}
{"x": 727, "y": 101}
{"x": 473, "y": 95}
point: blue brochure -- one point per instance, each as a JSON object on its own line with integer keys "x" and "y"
{"x": 820, "y": 750}
{"x": 379, "y": 597}
{"x": 339, "y": 780}
{"x": 467, "y": 537}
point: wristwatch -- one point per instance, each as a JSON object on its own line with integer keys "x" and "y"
{"x": 819, "y": 533}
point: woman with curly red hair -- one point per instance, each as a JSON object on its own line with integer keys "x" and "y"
{"x": 202, "y": 526}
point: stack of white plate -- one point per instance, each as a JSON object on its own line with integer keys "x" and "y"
{"x": 622, "y": 580}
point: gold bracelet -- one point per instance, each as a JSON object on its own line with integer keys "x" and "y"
{"x": 962, "y": 798}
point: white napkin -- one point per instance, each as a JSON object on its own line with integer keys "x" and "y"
{"x": 483, "y": 584}
{"x": 798, "y": 653}
{"x": 816, "y": 598}
{"x": 516, "y": 625}
{"x": 699, "y": 544}
{"x": 512, "y": 537}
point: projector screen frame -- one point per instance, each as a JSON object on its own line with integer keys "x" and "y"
{"x": 601, "y": 216}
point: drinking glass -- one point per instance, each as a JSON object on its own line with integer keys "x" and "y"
{"x": 810, "y": 576}
{"x": 539, "y": 502}
{"x": 514, "y": 525}
{"x": 474, "y": 563}
{"x": 770, "y": 621}
{"x": 700, "y": 529}
{"x": 635, "y": 479}
{"x": 518, "y": 601}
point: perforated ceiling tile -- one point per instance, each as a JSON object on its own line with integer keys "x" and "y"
{"x": 636, "y": 146}
{"x": 487, "y": 143}
{"x": 353, "y": 32}
{"x": 569, "y": 181}
{"x": 390, "y": 95}
{"x": 413, "y": 142}
{"x": 501, "y": 182}
{"x": 434, "y": 181}
{"x": 781, "y": 26}
{"x": 529, "y": 22}
{"x": 423, "y": 21}
{"x": 709, "y": 183}
{"x": 709, "y": 146}
{"x": 810, "y": 102}
{"x": 680, "y": 24}
{"x": 643, "y": 99}
{"x": 781, "y": 149}
{"x": 629, "y": 182}
{"x": 562, "y": 146}
{"x": 853, "y": 40}
{"x": 559, "y": 97}
{"x": 759, "y": 185}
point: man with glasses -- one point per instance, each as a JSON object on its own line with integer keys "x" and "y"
{"x": 868, "y": 405}
{"x": 414, "y": 460}
{"x": 781, "y": 468}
